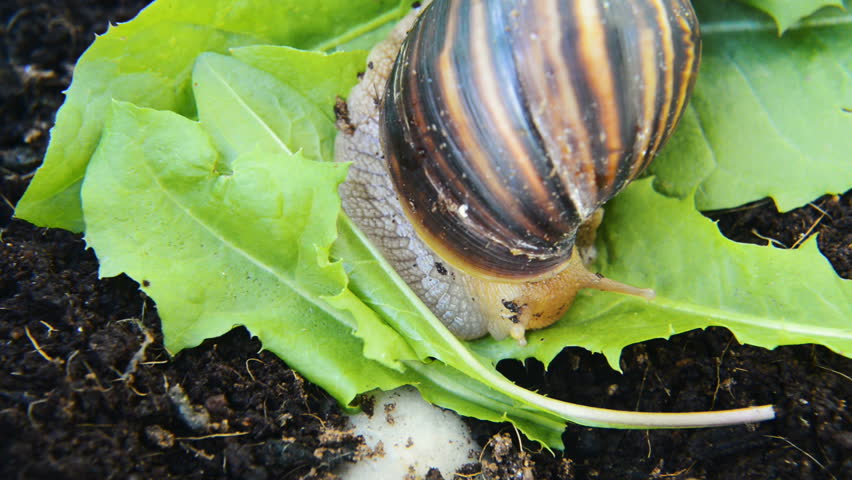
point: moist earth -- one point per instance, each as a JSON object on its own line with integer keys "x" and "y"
{"x": 87, "y": 389}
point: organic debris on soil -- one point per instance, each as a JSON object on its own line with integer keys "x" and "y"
{"x": 88, "y": 391}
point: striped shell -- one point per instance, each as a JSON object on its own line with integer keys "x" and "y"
{"x": 506, "y": 124}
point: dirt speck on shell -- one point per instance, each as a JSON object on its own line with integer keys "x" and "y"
{"x": 88, "y": 391}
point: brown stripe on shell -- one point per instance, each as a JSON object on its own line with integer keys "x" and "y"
{"x": 581, "y": 165}
{"x": 538, "y": 218}
{"x": 677, "y": 37}
{"x": 631, "y": 54}
{"x": 539, "y": 93}
{"x": 431, "y": 195}
{"x": 649, "y": 84}
{"x": 529, "y": 206}
{"x": 594, "y": 63}
{"x": 491, "y": 112}
{"x": 663, "y": 28}
{"x": 555, "y": 103}
{"x": 492, "y": 230}
{"x": 688, "y": 36}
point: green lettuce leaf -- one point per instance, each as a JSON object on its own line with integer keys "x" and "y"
{"x": 315, "y": 75}
{"x": 235, "y": 99}
{"x": 148, "y": 62}
{"x": 787, "y": 12}
{"x": 203, "y": 237}
{"x": 765, "y": 110}
{"x": 701, "y": 279}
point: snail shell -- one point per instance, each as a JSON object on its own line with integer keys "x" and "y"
{"x": 504, "y": 126}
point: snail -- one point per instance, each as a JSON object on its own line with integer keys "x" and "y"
{"x": 485, "y": 135}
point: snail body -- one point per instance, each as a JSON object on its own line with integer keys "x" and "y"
{"x": 485, "y": 134}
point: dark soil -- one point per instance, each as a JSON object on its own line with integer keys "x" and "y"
{"x": 88, "y": 391}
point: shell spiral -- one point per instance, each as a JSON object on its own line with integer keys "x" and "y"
{"x": 506, "y": 124}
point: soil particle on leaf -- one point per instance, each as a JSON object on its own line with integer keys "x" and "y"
{"x": 90, "y": 392}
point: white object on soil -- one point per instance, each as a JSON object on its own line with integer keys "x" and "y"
{"x": 407, "y": 436}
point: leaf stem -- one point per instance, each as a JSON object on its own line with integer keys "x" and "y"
{"x": 454, "y": 353}
{"x": 602, "y": 417}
